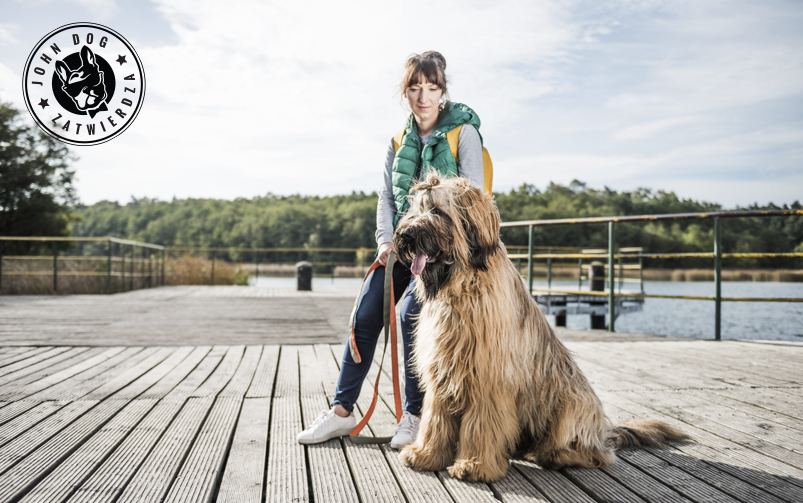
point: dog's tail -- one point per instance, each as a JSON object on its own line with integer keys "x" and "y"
{"x": 643, "y": 433}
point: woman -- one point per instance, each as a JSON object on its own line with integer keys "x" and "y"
{"x": 422, "y": 147}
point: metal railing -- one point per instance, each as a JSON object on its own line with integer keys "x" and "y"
{"x": 717, "y": 254}
{"x": 106, "y": 264}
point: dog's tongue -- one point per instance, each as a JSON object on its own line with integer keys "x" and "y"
{"x": 418, "y": 264}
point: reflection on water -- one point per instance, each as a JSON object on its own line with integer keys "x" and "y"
{"x": 684, "y": 318}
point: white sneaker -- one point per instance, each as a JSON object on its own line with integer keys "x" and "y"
{"x": 406, "y": 431}
{"x": 326, "y": 426}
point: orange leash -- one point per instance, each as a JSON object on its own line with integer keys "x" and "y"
{"x": 389, "y": 315}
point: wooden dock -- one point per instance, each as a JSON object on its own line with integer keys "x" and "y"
{"x": 189, "y": 418}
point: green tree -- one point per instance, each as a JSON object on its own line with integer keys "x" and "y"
{"x": 37, "y": 197}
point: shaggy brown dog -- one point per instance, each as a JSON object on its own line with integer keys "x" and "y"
{"x": 498, "y": 383}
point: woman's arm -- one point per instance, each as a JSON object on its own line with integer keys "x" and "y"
{"x": 385, "y": 208}
{"x": 469, "y": 153}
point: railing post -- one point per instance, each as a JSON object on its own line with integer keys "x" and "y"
{"x": 580, "y": 273}
{"x": 108, "y": 266}
{"x": 2, "y": 249}
{"x": 641, "y": 271}
{"x": 131, "y": 270}
{"x": 213, "y": 267}
{"x": 717, "y": 282}
{"x": 55, "y": 267}
{"x": 122, "y": 268}
{"x": 163, "y": 265}
{"x": 549, "y": 273}
{"x": 611, "y": 277}
{"x": 530, "y": 260}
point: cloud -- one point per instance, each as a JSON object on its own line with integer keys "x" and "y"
{"x": 302, "y": 98}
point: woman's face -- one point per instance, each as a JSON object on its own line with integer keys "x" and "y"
{"x": 424, "y": 99}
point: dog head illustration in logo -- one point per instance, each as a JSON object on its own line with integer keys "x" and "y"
{"x": 84, "y": 85}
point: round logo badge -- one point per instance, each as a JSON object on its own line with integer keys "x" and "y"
{"x": 83, "y": 83}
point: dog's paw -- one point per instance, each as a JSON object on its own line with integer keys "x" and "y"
{"x": 420, "y": 459}
{"x": 474, "y": 471}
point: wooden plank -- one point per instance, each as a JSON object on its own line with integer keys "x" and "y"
{"x": 287, "y": 471}
{"x": 649, "y": 488}
{"x": 198, "y": 477}
{"x": 243, "y": 478}
{"x": 551, "y": 483}
{"x": 59, "y": 483}
{"x": 94, "y": 377}
{"x": 154, "y": 476}
{"x": 28, "y": 365}
{"x": 721, "y": 456}
{"x": 329, "y": 471}
{"x": 466, "y": 491}
{"x": 601, "y": 486}
{"x": 10, "y": 358}
{"x": 100, "y": 356}
{"x": 34, "y": 373}
{"x": 196, "y": 480}
{"x": 732, "y": 450}
{"x": 262, "y": 385}
{"x": 241, "y": 381}
{"x": 19, "y": 478}
{"x": 108, "y": 481}
{"x": 22, "y": 423}
{"x": 373, "y": 477}
{"x": 515, "y": 488}
{"x": 223, "y": 373}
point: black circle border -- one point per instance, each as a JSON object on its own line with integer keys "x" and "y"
{"x": 27, "y": 71}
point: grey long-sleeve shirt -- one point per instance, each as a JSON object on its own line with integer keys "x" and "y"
{"x": 469, "y": 152}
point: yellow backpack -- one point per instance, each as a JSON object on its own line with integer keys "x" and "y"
{"x": 453, "y": 138}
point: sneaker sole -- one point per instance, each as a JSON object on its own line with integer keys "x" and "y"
{"x": 334, "y": 435}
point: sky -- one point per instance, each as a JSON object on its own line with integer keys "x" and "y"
{"x": 249, "y": 98}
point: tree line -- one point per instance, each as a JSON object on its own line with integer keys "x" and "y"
{"x": 37, "y": 197}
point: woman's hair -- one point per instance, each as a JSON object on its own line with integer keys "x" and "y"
{"x": 431, "y": 65}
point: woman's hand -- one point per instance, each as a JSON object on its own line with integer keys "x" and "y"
{"x": 384, "y": 249}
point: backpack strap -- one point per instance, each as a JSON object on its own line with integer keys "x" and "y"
{"x": 453, "y": 137}
{"x": 397, "y": 139}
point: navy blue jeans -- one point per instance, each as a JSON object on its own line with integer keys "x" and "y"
{"x": 368, "y": 325}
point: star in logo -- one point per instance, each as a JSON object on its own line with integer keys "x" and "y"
{"x": 43, "y": 103}
{"x": 121, "y": 59}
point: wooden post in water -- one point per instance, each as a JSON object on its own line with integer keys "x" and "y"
{"x": 596, "y": 282}
{"x": 611, "y": 277}
{"x": 717, "y": 282}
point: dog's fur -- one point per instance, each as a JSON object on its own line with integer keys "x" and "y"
{"x": 497, "y": 381}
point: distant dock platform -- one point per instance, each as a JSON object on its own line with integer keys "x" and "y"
{"x": 196, "y": 394}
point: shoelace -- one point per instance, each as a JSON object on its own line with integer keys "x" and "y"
{"x": 321, "y": 417}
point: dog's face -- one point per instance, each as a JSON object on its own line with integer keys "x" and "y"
{"x": 450, "y": 224}
{"x": 84, "y": 85}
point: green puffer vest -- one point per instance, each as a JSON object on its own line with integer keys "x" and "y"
{"x": 411, "y": 158}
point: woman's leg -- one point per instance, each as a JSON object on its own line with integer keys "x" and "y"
{"x": 368, "y": 324}
{"x": 408, "y": 315}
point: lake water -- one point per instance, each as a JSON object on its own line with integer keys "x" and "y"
{"x": 683, "y": 318}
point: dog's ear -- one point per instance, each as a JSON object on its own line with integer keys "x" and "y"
{"x": 480, "y": 220}
{"x": 479, "y": 253}
{"x": 62, "y": 71}
{"x": 87, "y": 56}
